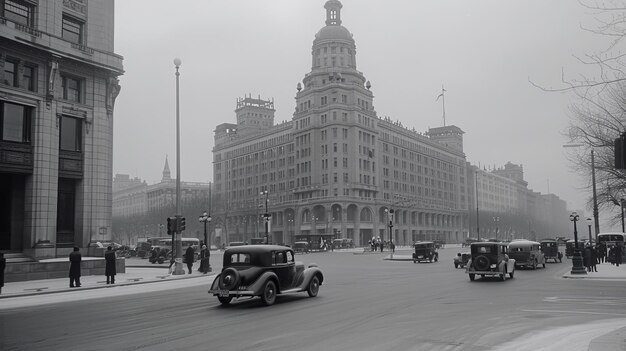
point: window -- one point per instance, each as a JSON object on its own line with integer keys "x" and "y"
{"x": 28, "y": 78}
{"x": 10, "y": 72}
{"x": 18, "y": 11}
{"x": 71, "y": 134}
{"x": 15, "y": 122}
{"x": 71, "y": 89}
{"x": 72, "y": 30}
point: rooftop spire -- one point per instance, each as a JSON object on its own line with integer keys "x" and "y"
{"x": 166, "y": 172}
{"x": 333, "y": 12}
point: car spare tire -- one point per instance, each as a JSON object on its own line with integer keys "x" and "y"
{"x": 229, "y": 279}
{"x": 481, "y": 263}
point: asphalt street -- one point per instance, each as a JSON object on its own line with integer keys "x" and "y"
{"x": 365, "y": 303}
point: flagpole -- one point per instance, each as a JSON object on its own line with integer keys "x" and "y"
{"x": 443, "y": 101}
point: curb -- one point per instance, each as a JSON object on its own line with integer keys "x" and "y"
{"x": 100, "y": 287}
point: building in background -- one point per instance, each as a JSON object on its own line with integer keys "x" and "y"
{"x": 336, "y": 169}
{"x": 58, "y": 85}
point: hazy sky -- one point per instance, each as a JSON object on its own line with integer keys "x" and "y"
{"x": 483, "y": 51}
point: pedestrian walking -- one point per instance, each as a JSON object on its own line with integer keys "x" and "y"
{"x": 109, "y": 269}
{"x": 75, "y": 259}
{"x": 618, "y": 254}
{"x": 594, "y": 259}
{"x": 3, "y": 265}
{"x": 587, "y": 257}
{"x": 189, "y": 254}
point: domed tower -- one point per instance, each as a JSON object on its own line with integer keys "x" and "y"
{"x": 334, "y": 112}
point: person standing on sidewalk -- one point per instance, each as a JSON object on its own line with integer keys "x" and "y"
{"x": 110, "y": 269}
{"x": 189, "y": 257}
{"x": 75, "y": 259}
{"x": 3, "y": 265}
{"x": 618, "y": 254}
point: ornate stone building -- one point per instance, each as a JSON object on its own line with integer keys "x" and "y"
{"x": 58, "y": 85}
{"x": 336, "y": 169}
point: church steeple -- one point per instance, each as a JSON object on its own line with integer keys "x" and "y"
{"x": 166, "y": 172}
{"x": 333, "y": 13}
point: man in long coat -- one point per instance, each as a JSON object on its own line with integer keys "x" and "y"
{"x": 110, "y": 269}
{"x": 3, "y": 264}
{"x": 75, "y": 259}
{"x": 189, "y": 255}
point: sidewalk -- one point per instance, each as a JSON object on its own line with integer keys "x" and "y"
{"x": 135, "y": 274}
{"x": 606, "y": 271}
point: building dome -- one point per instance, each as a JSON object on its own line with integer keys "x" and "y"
{"x": 333, "y": 32}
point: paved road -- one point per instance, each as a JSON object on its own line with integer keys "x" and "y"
{"x": 365, "y": 304}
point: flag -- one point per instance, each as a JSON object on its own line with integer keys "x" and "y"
{"x": 440, "y": 95}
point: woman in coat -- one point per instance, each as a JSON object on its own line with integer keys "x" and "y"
{"x": 110, "y": 269}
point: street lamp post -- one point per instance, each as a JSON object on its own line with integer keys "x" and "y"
{"x": 589, "y": 223}
{"x": 496, "y": 220}
{"x": 206, "y": 218}
{"x": 621, "y": 206}
{"x": 178, "y": 267}
{"x": 390, "y": 213}
{"x": 577, "y": 259}
{"x": 266, "y": 216}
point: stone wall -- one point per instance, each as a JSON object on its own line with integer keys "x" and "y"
{"x": 51, "y": 269}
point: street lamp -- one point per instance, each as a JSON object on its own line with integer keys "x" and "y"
{"x": 206, "y": 218}
{"x": 178, "y": 267}
{"x": 390, "y": 215}
{"x": 589, "y": 223}
{"x": 577, "y": 259}
{"x": 496, "y": 220}
{"x": 266, "y": 216}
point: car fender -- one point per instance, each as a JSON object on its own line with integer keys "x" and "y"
{"x": 259, "y": 284}
{"x": 308, "y": 274}
{"x": 215, "y": 285}
{"x": 510, "y": 265}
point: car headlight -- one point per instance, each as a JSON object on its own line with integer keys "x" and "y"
{"x": 493, "y": 266}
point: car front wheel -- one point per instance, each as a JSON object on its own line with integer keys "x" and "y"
{"x": 224, "y": 300}
{"x": 314, "y": 287}
{"x": 269, "y": 293}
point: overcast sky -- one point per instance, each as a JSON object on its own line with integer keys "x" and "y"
{"x": 483, "y": 51}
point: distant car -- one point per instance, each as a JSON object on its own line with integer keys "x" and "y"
{"x": 550, "y": 248}
{"x": 527, "y": 254}
{"x": 425, "y": 251}
{"x": 344, "y": 243}
{"x": 301, "y": 247}
{"x": 490, "y": 259}
{"x": 461, "y": 259}
{"x": 265, "y": 271}
{"x": 236, "y": 243}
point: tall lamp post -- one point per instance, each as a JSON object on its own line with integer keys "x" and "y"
{"x": 266, "y": 216}
{"x": 178, "y": 268}
{"x": 577, "y": 259}
{"x": 496, "y": 220}
{"x": 390, "y": 214}
{"x": 206, "y": 218}
{"x": 621, "y": 206}
{"x": 589, "y": 223}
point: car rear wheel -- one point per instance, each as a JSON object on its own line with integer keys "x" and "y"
{"x": 229, "y": 279}
{"x": 436, "y": 258}
{"x": 472, "y": 277}
{"x": 269, "y": 293}
{"x": 481, "y": 263}
{"x": 314, "y": 287}
{"x": 534, "y": 264}
{"x": 225, "y": 300}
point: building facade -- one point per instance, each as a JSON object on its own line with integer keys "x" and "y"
{"x": 336, "y": 169}
{"x": 58, "y": 85}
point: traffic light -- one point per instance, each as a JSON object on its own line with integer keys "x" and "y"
{"x": 171, "y": 225}
{"x": 181, "y": 224}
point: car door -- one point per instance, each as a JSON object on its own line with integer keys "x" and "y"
{"x": 284, "y": 268}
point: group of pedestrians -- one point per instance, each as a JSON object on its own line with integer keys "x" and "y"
{"x": 109, "y": 269}
{"x": 592, "y": 256}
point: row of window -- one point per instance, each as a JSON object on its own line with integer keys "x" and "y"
{"x": 24, "y": 13}
{"x": 16, "y": 122}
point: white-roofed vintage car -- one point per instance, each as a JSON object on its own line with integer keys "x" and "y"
{"x": 265, "y": 271}
{"x": 527, "y": 254}
{"x": 490, "y": 259}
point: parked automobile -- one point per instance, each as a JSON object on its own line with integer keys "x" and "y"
{"x": 490, "y": 259}
{"x": 527, "y": 254}
{"x": 159, "y": 254}
{"x": 425, "y": 251}
{"x": 344, "y": 243}
{"x": 550, "y": 248}
{"x": 301, "y": 247}
{"x": 461, "y": 259}
{"x": 265, "y": 271}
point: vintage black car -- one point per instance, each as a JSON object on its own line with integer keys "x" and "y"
{"x": 265, "y": 271}
{"x": 550, "y": 248}
{"x": 490, "y": 259}
{"x": 425, "y": 251}
{"x": 461, "y": 259}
